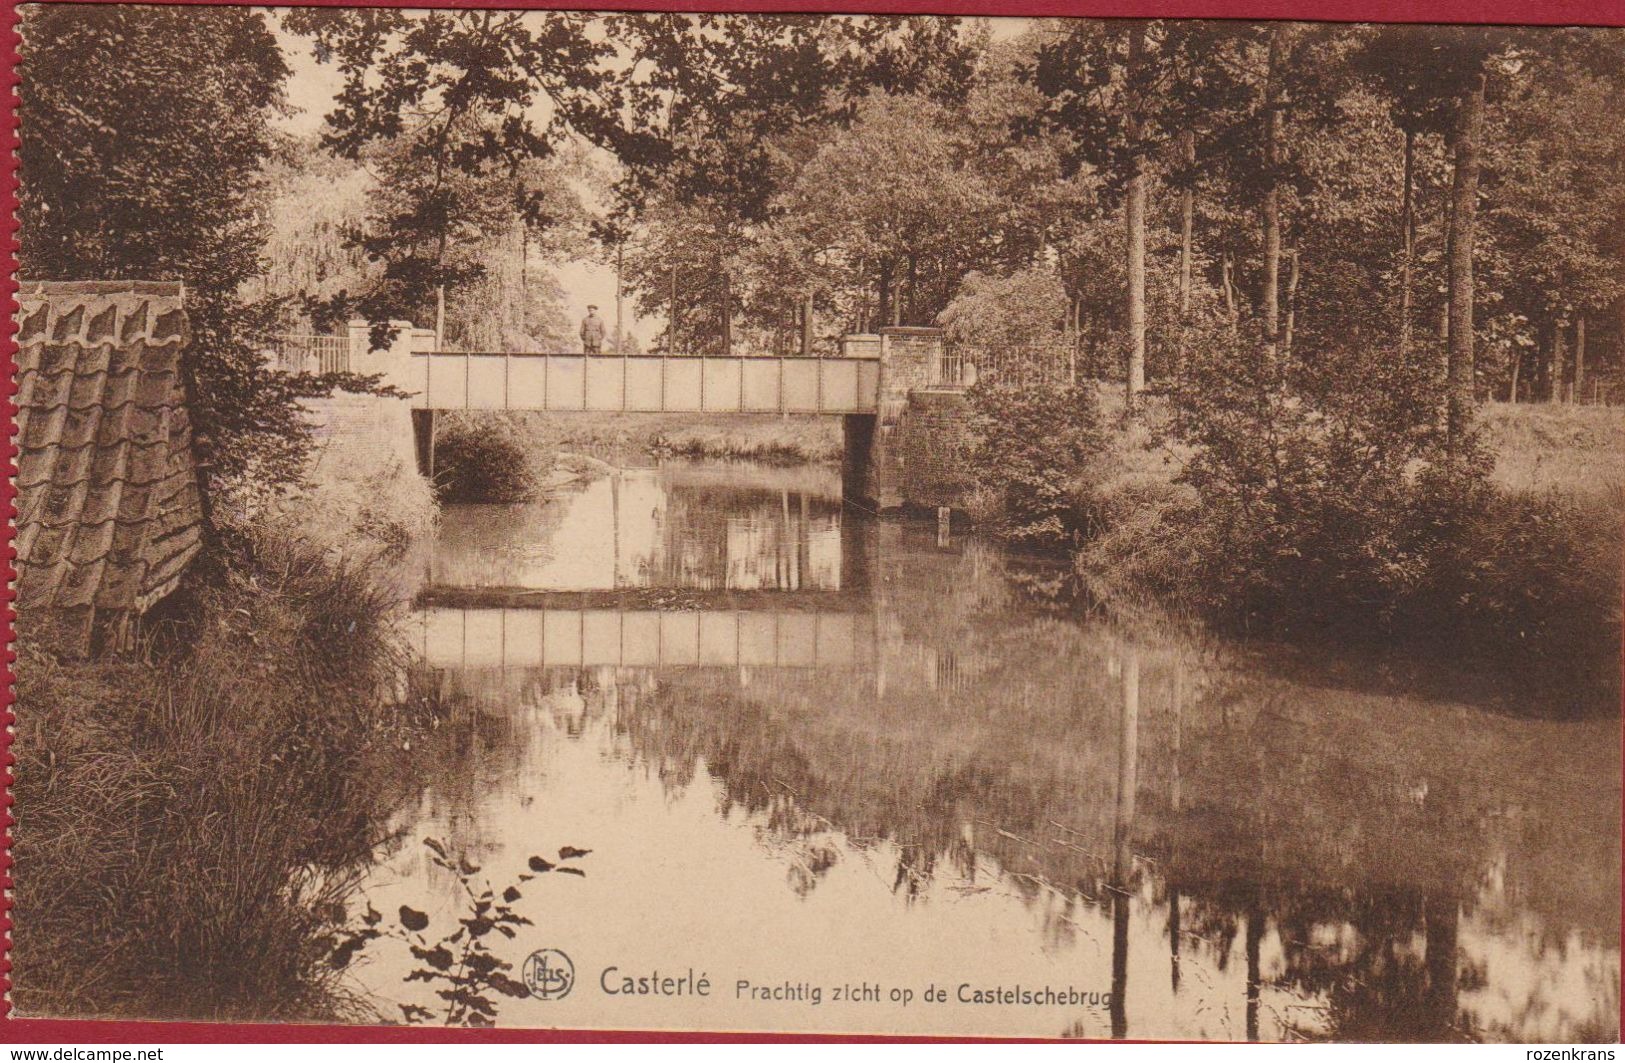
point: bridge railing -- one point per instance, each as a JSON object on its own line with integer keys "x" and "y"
{"x": 309, "y": 353}
{"x": 961, "y": 366}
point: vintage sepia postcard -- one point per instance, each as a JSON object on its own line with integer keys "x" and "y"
{"x": 818, "y": 524}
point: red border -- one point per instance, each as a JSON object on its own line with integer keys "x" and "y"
{"x": 79, "y": 1031}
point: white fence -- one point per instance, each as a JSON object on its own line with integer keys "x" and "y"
{"x": 301, "y": 353}
{"x": 963, "y": 366}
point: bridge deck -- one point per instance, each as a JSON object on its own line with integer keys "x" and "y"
{"x": 446, "y": 380}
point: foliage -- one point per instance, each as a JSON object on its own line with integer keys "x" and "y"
{"x": 1531, "y": 578}
{"x": 1326, "y": 505}
{"x": 1019, "y": 312}
{"x": 143, "y": 133}
{"x": 483, "y": 459}
{"x": 473, "y": 976}
{"x": 196, "y": 824}
{"x": 896, "y": 196}
{"x": 1032, "y": 445}
{"x": 689, "y": 105}
{"x": 1306, "y": 476}
{"x": 1553, "y": 250}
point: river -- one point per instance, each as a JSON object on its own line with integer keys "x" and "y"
{"x": 811, "y": 751}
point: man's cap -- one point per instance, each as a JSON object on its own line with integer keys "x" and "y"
{"x": 592, "y": 306}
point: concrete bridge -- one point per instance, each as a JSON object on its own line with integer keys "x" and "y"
{"x": 899, "y": 397}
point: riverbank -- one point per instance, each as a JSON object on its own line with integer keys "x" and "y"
{"x": 197, "y": 813}
{"x": 1519, "y": 564}
{"x": 508, "y": 456}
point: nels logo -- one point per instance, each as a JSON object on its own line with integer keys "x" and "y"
{"x": 549, "y": 974}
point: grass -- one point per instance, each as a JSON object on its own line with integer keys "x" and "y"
{"x": 192, "y": 818}
{"x": 189, "y": 825}
{"x": 1578, "y": 451}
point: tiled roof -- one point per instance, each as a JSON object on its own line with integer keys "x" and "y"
{"x": 109, "y": 511}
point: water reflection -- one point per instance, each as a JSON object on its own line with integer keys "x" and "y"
{"x": 689, "y": 526}
{"x": 957, "y": 787}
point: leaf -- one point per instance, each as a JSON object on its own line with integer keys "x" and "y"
{"x": 537, "y": 864}
{"x": 413, "y": 920}
{"x": 570, "y": 852}
{"x": 572, "y": 871}
{"x": 370, "y": 916}
{"x": 465, "y": 867}
{"x": 509, "y": 986}
{"x": 511, "y": 894}
{"x": 483, "y": 963}
{"x": 415, "y": 1013}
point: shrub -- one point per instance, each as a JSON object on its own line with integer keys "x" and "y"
{"x": 485, "y": 459}
{"x": 1032, "y": 445}
{"x": 1533, "y": 576}
{"x": 1326, "y": 504}
{"x": 192, "y": 826}
{"x": 1305, "y": 471}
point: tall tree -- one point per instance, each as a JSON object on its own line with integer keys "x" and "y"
{"x": 1552, "y": 250}
{"x": 1134, "y": 76}
{"x": 1437, "y": 78}
{"x": 1274, "y": 108}
{"x": 690, "y": 105}
{"x": 144, "y": 131}
{"x": 1116, "y": 95}
{"x": 1095, "y": 80}
{"x": 449, "y": 97}
{"x": 903, "y": 217}
{"x": 1468, "y": 128}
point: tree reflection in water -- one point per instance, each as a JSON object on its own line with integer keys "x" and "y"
{"x": 1348, "y": 830}
{"x": 1342, "y": 863}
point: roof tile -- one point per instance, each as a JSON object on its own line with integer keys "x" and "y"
{"x": 108, "y": 509}
{"x": 41, "y": 428}
{"x": 67, "y": 324}
{"x": 32, "y": 324}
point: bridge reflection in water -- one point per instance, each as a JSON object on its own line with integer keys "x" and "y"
{"x": 948, "y": 782}
{"x": 675, "y": 638}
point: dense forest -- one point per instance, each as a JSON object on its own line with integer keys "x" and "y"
{"x": 1121, "y": 188}
{"x": 769, "y": 183}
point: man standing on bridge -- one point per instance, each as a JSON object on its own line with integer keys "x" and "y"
{"x": 592, "y": 332}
